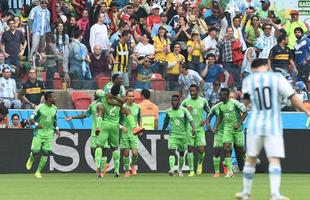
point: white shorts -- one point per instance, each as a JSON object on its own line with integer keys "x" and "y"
{"x": 273, "y": 145}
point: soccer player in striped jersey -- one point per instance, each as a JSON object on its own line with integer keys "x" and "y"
{"x": 263, "y": 90}
{"x": 178, "y": 117}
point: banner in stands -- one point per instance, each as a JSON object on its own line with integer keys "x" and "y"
{"x": 291, "y": 120}
{"x": 71, "y": 152}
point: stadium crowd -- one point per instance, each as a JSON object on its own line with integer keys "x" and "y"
{"x": 210, "y": 43}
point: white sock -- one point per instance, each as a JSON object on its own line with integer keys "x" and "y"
{"x": 275, "y": 179}
{"x": 248, "y": 174}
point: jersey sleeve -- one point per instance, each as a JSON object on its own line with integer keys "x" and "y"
{"x": 206, "y": 106}
{"x": 240, "y": 106}
{"x": 35, "y": 113}
{"x": 245, "y": 86}
{"x": 285, "y": 88}
{"x": 188, "y": 115}
{"x": 88, "y": 111}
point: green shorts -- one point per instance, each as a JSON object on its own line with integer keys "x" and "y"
{"x": 233, "y": 136}
{"x": 129, "y": 141}
{"x": 218, "y": 139}
{"x": 109, "y": 133}
{"x": 199, "y": 139}
{"x": 177, "y": 142}
{"x": 44, "y": 143}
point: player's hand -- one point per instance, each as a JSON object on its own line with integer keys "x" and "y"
{"x": 202, "y": 123}
{"x": 57, "y": 133}
{"x": 97, "y": 131}
{"x": 124, "y": 130}
{"x": 190, "y": 108}
{"x": 237, "y": 126}
{"x": 162, "y": 136}
{"x": 39, "y": 126}
{"x": 68, "y": 118}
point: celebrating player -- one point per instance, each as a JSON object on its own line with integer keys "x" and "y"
{"x": 178, "y": 117}
{"x": 44, "y": 117}
{"x": 129, "y": 141}
{"x": 232, "y": 114}
{"x": 196, "y": 106}
{"x": 263, "y": 89}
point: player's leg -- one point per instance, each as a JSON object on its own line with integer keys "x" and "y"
{"x": 182, "y": 146}
{"x": 190, "y": 153}
{"x": 136, "y": 130}
{"x": 35, "y": 149}
{"x": 104, "y": 160}
{"x": 172, "y": 146}
{"x": 93, "y": 145}
{"x": 46, "y": 151}
{"x": 200, "y": 143}
{"x": 239, "y": 148}
{"x": 274, "y": 147}
{"x": 101, "y": 142}
{"x": 125, "y": 151}
{"x": 134, "y": 150}
{"x": 227, "y": 145}
{"x": 254, "y": 146}
{"x": 218, "y": 147}
{"x": 114, "y": 143}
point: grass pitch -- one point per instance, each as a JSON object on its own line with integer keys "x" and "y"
{"x": 143, "y": 187}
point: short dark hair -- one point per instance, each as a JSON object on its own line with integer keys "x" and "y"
{"x": 259, "y": 62}
{"x": 8, "y": 22}
{"x": 76, "y": 34}
{"x": 115, "y": 90}
{"x": 47, "y": 95}
{"x": 213, "y": 28}
{"x": 184, "y": 65}
{"x": 4, "y": 68}
{"x": 175, "y": 96}
{"x": 236, "y": 17}
{"x": 122, "y": 24}
{"x": 3, "y": 110}
{"x": 210, "y": 55}
{"x": 299, "y": 29}
{"x": 146, "y": 93}
{"x": 194, "y": 85}
{"x": 125, "y": 33}
{"x": 114, "y": 77}
{"x": 130, "y": 90}
{"x": 14, "y": 115}
{"x": 225, "y": 90}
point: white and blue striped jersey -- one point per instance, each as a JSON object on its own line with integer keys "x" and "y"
{"x": 266, "y": 90}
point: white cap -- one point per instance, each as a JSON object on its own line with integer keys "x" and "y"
{"x": 63, "y": 18}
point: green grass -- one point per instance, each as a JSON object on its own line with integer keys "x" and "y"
{"x": 142, "y": 187}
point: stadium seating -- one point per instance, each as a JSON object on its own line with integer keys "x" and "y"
{"x": 80, "y": 100}
{"x": 102, "y": 79}
{"x": 57, "y": 82}
{"x": 157, "y": 82}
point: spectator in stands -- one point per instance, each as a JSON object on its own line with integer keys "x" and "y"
{"x": 144, "y": 74}
{"x": 195, "y": 48}
{"x": 83, "y": 23}
{"x": 245, "y": 4}
{"x": 102, "y": 9}
{"x": 140, "y": 11}
{"x": 122, "y": 26}
{"x": 182, "y": 34}
{"x": 13, "y": 45}
{"x": 246, "y": 20}
{"x": 267, "y": 39}
{"x": 99, "y": 35}
{"x": 215, "y": 18}
{"x": 250, "y": 55}
{"x": 19, "y": 25}
{"x": 3, "y": 23}
{"x": 281, "y": 58}
{"x": 8, "y": 90}
{"x": 78, "y": 56}
{"x": 120, "y": 53}
{"x": 174, "y": 59}
{"x": 210, "y": 42}
{"x": 4, "y": 119}
{"x": 301, "y": 91}
{"x": 39, "y": 24}
{"x": 32, "y": 91}
{"x": 99, "y": 63}
{"x": 186, "y": 78}
{"x": 290, "y": 28}
{"x": 197, "y": 24}
{"x": 253, "y": 32}
{"x": 114, "y": 15}
{"x": 149, "y": 112}
{"x": 302, "y": 55}
{"x": 153, "y": 18}
{"x": 79, "y": 5}
{"x": 263, "y": 12}
{"x": 144, "y": 48}
{"x": 211, "y": 73}
{"x": 238, "y": 32}
{"x": 72, "y": 27}
{"x": 226, "y": 52}
{"x": 213, "y": 95}
{"x": 163, "y": 22}
{"x": 15, "y": 122}
{"x": 3, "y": 65}
{"x": 61, "y": 38}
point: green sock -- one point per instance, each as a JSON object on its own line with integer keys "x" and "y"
{"x": 98, "y": 155}
{"x": 216, "y": 164}
{"x": 42, "y": 163}
{"x": 103, "y": 162}
{"x": 99, "y": 121}
{"x": 190, "y": 160}
{"x": 181, "y": 162}
{"x": 228, "y": 164}
{"x": 116, "y": 157}
{"x": 134, "y": 160}
{"x": 201, "y": 156}
{"x": 126, "y": 163}
{"x": 131, "y": 121}
{"x": 171, "y": 162}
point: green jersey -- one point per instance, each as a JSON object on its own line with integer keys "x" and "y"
{"x": 109, "y": 85}
{"x": 135, "y": 111}
{"x": 46, "y": 116}
{"x": 199, "y": 106}
{"x": 178, "y": 120}
{"x": 231, "y": 112}
{"x": 215, "y": 111}
{"x": 92, "y": 111}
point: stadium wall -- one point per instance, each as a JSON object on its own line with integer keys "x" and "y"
{"x": 71, "y": 152}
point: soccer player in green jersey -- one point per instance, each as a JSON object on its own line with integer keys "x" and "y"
{"x": 218, "y": 139}
{"x": 196, "y": 106}
{"x": 92, "y": 111}
{"x": 232, "y": 114}
{"x": 129, "y": 141}
{"x": 178, "y": 117}
{"x": 44, "y": 117}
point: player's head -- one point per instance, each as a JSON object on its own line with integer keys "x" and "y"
{"x": 130, "y": 96}
{"x": 193, "y": 90}
{"x": 259, "y": 64}
{"x": 224, "y": 94}
{"x": 299, "y": 33}
{"x": 50, "y": 97}
{"x": 175, "y": 101}
{"x": 146, "y": 93}
{"x": 183, "y": 67}
{"x": 117, "y": 79}
{"x": 115, "y": 90}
